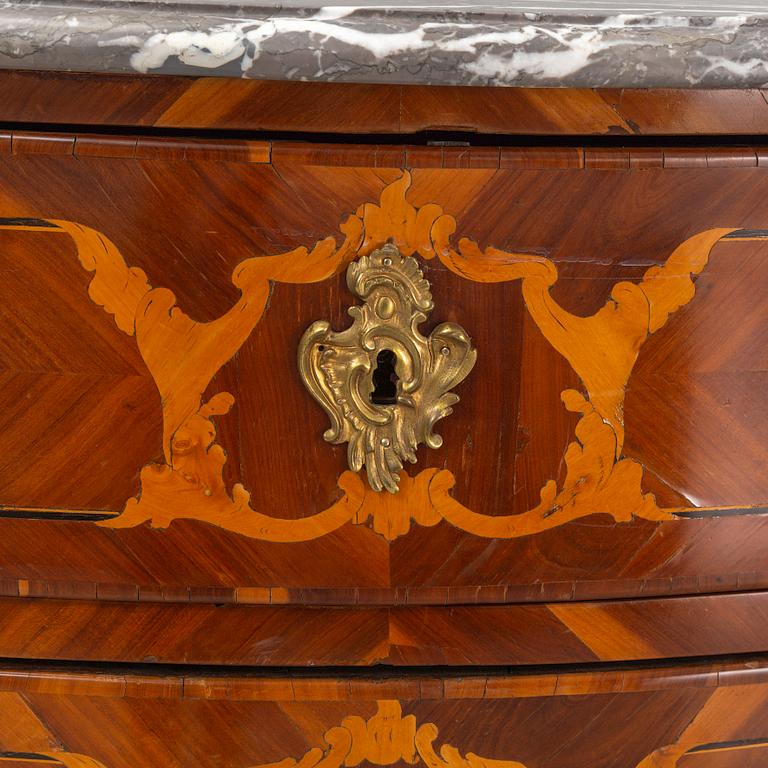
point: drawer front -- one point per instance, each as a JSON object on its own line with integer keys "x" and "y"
{"x": 676, "y": 717}
{"x": 189, "y": 408}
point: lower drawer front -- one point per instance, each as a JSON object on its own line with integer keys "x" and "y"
{"x": 649, "y": 717}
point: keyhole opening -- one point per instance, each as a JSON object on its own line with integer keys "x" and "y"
{"x": 385, "y": 379}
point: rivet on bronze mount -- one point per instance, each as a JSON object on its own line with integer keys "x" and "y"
{"x": 382, "y": 383}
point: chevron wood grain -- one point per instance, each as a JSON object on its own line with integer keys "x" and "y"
{"x": 192, "y": 577}
{"x": 183, "y": 356}
{"x": 710, "y": 715}
{"x": 524, "y": 634}
{"x": 75, "y": 457}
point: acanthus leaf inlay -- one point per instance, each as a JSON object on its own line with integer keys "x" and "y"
{"x": 184, "y": 355}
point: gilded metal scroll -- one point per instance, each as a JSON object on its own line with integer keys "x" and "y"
{"x": 382, "y": 383}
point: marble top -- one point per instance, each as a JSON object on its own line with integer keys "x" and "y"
{"x": 576, "y": 43}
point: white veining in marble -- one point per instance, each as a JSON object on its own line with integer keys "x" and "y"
{"x": 695, "y": 7}
{"x": 584, "y": 43}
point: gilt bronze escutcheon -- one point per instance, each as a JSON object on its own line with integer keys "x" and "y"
{"x": 382, "y": 383}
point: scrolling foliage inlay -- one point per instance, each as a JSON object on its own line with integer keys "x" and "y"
{"x": 387, "y": 738}
{"x": 183, "y": 356}
{"x": 717, "y": 730}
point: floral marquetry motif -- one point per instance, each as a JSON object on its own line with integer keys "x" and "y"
{"x": 503, "y": 714}
{"x": 382, "y": 383}
{"x": 387, "y": 738}
{"x": 384, "y": 355}
{"x": 355, "y": 451}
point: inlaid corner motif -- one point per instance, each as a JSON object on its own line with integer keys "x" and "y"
{"x": 184, "y": 355}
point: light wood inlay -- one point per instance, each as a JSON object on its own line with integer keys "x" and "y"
{"x": 184, "y": 355}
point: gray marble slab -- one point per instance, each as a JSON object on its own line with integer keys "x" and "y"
{"x": 584, "y": 43}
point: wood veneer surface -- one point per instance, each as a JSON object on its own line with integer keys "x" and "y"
{"x": 715, "y": 712}
{"x": 82, "y": 415}
{"x": 249, "y": 105}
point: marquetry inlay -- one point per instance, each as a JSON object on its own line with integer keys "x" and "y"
{"x": 184, "y": 355}
{"x": 389, "y": 737}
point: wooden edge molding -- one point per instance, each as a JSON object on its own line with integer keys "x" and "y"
{"x": 20, "y": 142}
{"x": 133, "y": 147}
{"x": 488, "y": 594}
{"x": 417, "y": 686}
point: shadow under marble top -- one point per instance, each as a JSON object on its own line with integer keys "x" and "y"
{"x": 575, "y": 43}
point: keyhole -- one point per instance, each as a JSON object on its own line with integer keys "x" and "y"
{"x": 385, "y": 379}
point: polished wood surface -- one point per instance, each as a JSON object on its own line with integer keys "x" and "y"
{"x": 183, "y": 356}
{"x": 382, "y": 155}
{"x": 86, "y": 407}
{"x": 251, "y": 105}
{"x": 640, "y": 718}
{"x": 406, "y": 636}
{"x": 541, "y": 585}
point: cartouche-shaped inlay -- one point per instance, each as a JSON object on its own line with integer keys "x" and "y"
{"x": 382, "y": 383}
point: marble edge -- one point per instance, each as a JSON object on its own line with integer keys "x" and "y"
{"x": 481, "y": 46}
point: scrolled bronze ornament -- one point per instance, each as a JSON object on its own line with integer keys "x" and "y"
{"x": 382, "y": 383}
